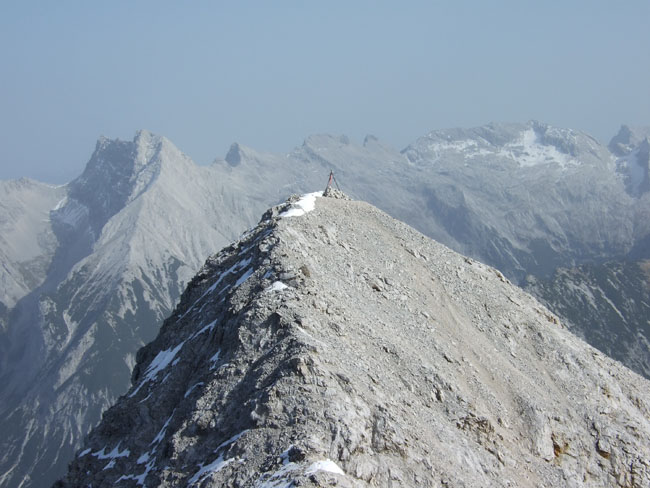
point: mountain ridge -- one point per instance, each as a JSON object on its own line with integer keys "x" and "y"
{"x": 340, "y": 346}
{"x": 508, "y": 213}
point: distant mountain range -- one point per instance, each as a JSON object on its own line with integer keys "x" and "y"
{"x": 91, "y": 268}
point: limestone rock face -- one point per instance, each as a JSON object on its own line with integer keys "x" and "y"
{"x": 89, "y": 271}
{"x": 335, "y": 346}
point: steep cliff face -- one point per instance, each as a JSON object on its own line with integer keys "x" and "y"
{"x": 334, "y": 345}
{"x": 127, "y": 236}
{"x": 27, "y": 241}
{"x": 607, "y": 304}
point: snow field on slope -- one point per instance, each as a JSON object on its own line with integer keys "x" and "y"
{"x": 307, "y": 203}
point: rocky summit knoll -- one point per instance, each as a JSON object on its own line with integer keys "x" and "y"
{"x": 340, "y": 347}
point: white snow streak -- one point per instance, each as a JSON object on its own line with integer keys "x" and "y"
{"x": 231, "y": 440}
{"x": 276, "y": 286}
{"x": 144, "y": 458}
{"x": 235, "y": 267}
{"x": 327, "y": 465}
{"x": 160, "y": 362}
{"x": 244, "y": 277}
{"x": 189, "y": 392}
{"x": 210, "y": 326}
{"x": 139, "y": 479}
{"x": 307, "y": 203}
{"x": 278, "y": 479}
{"x": 214, "y": 359}
{"x": 214, "y": 467}
{"x": 161, "y": 434}
{"x": 115, "y": 453}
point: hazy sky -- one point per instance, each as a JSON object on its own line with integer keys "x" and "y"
{"x": 267, "y": 74}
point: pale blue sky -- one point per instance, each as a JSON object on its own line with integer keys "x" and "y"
{"x": 267, "y": 74}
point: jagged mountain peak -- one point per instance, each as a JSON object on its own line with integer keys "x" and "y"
{"x": 119, "y": 171}
{"x": 627, "y": 139}
{"x": 370, "y": 139}
{"x": 335, "y": 345}
{"x": 234, "y": 156}
{"x": 120, "y": 162}
{"x": 239, "y": 153}
{"x": 633, "y": 165}
{"x": 26, "y": 241}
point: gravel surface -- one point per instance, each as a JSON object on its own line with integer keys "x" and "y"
{"x": 340, "y": 347}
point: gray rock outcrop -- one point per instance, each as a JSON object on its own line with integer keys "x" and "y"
{"x": 340, "y": 347}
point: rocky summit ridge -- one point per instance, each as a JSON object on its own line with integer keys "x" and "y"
{"x": 335, "y": 346}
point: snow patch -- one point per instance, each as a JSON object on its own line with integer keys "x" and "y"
{"x": 307, "y": 203}
{"x": 528, "y": 151}
{"x": 160, "y": 362}
{"x": 235, "y": 267}
{"x": 139, "y": 479}
{"x": 208, "y": 327}
{"x": 457, "y": 145}
{"x": 278, "y": 479}
{"x": 214, "y": 467}
{"x": 191, "y": 389}
{"x": 327, "y": 465}
{"x": 61, "y": 203}
{"x": 231, "y": 440}
{"x": 244, "y": 277}
{"x": 144, "y": 458}
{"x": 214, "y": 359}
{"x": 276, "y": 286}
{"x": 163, "y": 431}
{"x": 115, "y": 453}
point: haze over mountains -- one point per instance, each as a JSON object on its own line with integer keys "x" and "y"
{"x": 91, "y": 268}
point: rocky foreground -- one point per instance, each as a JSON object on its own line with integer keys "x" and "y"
{"x": 340, "y": 347}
